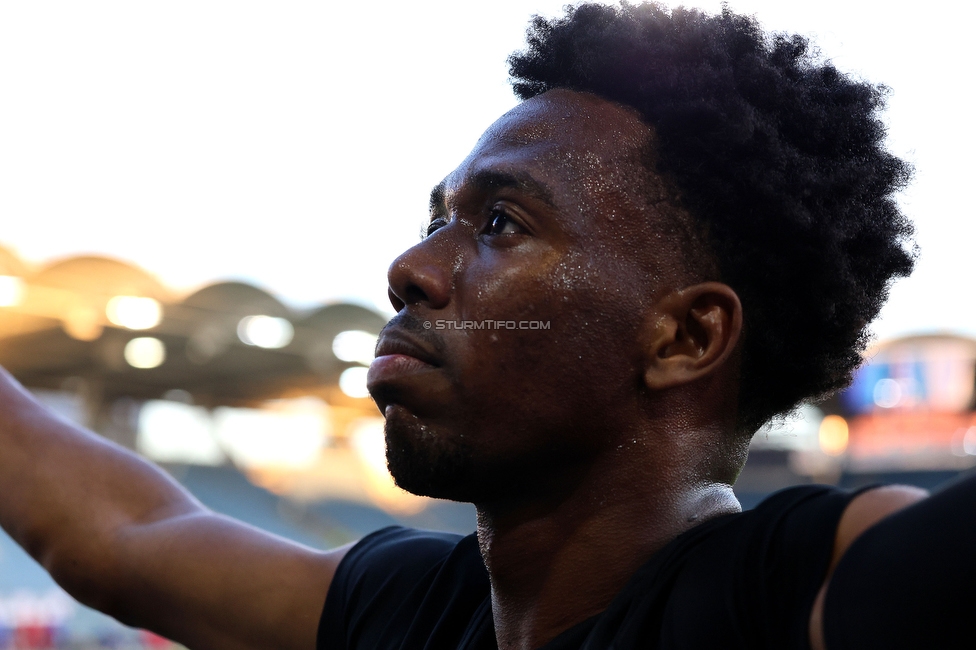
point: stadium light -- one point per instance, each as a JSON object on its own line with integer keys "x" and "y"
{"x": 134, "y": 312}
{"x": 352, "y": 382}
{"x": 355, "y": 346}
{"x": 265, "y": 331}
{"x": 834, "y": 435}
{"x": 145, "y": 352}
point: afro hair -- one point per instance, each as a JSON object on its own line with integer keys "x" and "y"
{"x": 779, "y": 159}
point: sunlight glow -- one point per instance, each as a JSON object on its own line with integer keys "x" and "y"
{"x": 83, "y": 323}
{"x": 290, "y": 437}
{"x": 172, "y": 432}
{"x": 11, "y": 290}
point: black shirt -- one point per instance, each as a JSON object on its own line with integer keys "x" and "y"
{"x": 746, "y": 580}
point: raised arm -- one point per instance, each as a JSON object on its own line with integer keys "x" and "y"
{"x": 121, "y": 536}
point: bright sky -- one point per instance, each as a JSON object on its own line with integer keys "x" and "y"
{"x": 293, "y": 144}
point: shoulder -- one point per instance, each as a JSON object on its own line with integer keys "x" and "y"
{"x": 754, "y": 576}
{"x": 383, "y": 581}
{"x": 799, "y": 518}
{"x": 389, "y": 563}
{"x": 397, "y": 551}
{"x": 809, "y": 498}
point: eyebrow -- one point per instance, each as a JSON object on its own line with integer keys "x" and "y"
{"x": 491, "y": 179}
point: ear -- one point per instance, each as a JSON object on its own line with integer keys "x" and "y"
{"x": 691, "y": 333}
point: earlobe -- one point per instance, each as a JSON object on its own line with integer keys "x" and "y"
{"x": 690, "y": 334}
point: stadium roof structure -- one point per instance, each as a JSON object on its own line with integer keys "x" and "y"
{"x": 113, "y": 324}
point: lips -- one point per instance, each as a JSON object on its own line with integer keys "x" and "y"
{"x": 399, "y": 355}
{"x": 398, "y": 342}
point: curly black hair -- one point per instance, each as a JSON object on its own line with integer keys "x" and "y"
{"x": 778, "y": 157}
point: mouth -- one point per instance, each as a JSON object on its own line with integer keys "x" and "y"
{"x": 398, "y": 355}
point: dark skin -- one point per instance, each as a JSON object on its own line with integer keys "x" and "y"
{"x": 629, "y": 465}
{"x": 586, "y": 446}
{"x": 634, "y": 385}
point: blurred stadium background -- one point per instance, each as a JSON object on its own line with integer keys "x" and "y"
{"x": 267, "y": 143}
{"x": 261, "y": 412}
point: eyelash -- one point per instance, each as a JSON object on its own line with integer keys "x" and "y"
{"x": 493, "y": 215}
{"x": 433, "y": 226}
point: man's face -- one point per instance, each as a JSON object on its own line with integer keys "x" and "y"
{"x": 514, "y": 359}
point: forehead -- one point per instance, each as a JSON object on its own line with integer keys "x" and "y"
{"x": 562, "y": 120}
{"x": 587, "y": 160}
{"x": 575, "y": 147}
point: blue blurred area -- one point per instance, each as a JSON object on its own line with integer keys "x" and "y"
{"x": 861, "y": 396}
{"x": 17, "y": 569}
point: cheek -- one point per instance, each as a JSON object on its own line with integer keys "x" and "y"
{"x": 567, "y": 347}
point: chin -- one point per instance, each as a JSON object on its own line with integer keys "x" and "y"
{"x": 432, "y": 462}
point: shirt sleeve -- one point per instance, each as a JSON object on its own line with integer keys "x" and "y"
{"x": 910, "y": 580}
{"x": 379, "y": 584}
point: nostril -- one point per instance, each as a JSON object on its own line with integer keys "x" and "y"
{"x": 409, "y": 294}
{"x": 415, "y": 295}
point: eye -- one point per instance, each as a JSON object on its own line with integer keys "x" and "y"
{"x": 433, "y": 226}
{"x": 500, "y": 223}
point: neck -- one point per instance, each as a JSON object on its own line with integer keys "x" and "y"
{"x": 559, "y": 557}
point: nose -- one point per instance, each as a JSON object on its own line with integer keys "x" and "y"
{"x": 420, "y": 276}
